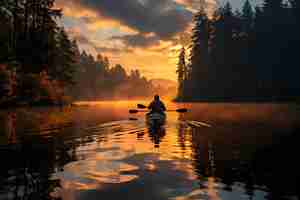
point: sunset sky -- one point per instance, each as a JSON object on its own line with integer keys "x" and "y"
{"x": 142, "y": 34}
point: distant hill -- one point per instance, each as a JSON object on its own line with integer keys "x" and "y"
{"x": 164, "y": 83}
{"x": 165, "y": 87}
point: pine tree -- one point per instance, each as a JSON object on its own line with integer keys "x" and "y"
{"x": 247, "y": 16}
{"x": 181, "y": 71}
{"x": 199, "y": 53}
{"x": 274, "y": 29}
{"x": 224, "y": 51}
{"x": 229, "y": 20}
{"x": 66, "y": 59}
{"x": 6, "y": 33}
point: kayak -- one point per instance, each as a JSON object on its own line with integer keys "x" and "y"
{"x": 155, "y": 119}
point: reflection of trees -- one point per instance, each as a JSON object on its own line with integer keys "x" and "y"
{"x": 230, "y": 167}
{"x": 241, "y": 160}
{"x": 200, "y": 153}
{"x": 8, "y": 126}
{"x": 276, "y": 166}
{"x": 29, "y": 165}
{"x": 182, "y": 136}
{"x": 11, "y": 127}
{"x": 29, "y": 157}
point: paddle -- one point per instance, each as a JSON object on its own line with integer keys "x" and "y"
{"x": 180, "y": 110}
{"x": 141, "y": 106}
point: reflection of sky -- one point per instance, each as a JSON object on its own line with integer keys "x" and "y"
{"x": 122, "y": 163}
{"x": 121, "y": 160}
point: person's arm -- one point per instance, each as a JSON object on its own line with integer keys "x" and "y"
{"x": 150, "y": 106}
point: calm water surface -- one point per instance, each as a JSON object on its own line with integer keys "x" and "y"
{"x": 99, "y": 151}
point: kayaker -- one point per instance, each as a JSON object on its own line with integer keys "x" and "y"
{"x": 157, "y": 106}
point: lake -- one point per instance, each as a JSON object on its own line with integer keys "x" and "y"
{"x": 97, "y": 150}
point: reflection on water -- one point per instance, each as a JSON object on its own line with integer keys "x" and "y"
{"x": 156, "y": 134}
{"x": 94, "y": 151}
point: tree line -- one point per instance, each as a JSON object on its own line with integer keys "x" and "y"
{"x": 244, "y": 55}
{"x": 96, "y": 79}
{"x": 39, "y": 63}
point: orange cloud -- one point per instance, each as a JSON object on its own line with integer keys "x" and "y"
{"x": 75, "y": 10}
{"x": 104, "y": 23}
{"x": 151, "y": 62}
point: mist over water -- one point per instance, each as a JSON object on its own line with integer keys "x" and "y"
{"x": 93, "y": 150}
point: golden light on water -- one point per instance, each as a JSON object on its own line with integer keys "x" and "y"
{"x": 102, "y": 149}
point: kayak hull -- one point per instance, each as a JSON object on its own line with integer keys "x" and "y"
{"x": 155, "y": 119}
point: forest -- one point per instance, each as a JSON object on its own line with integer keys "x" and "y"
{"x": 96, "y": 79}
{"x": 250, "y": 54}
{"x": 245, "y": 55}
{"x": 40, "y": 64}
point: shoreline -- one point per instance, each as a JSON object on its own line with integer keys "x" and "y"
{"x": 14, "y": 104}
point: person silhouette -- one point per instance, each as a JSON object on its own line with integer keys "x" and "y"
{"x": 157, "y": 106}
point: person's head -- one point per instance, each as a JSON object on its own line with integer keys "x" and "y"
{"x": 156, "y": 98}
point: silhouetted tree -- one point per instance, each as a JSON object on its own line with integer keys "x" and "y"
{"x": 247, "y": 17}
{"x": 181, "y": 72}
{"x": 65, "y": 59}
{"x": 245, "y": 55}
{"x": 199, "y": 53}
{"x": 33, "y": 46}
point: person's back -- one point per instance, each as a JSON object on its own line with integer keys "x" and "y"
{"x": 157, "y": 106}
